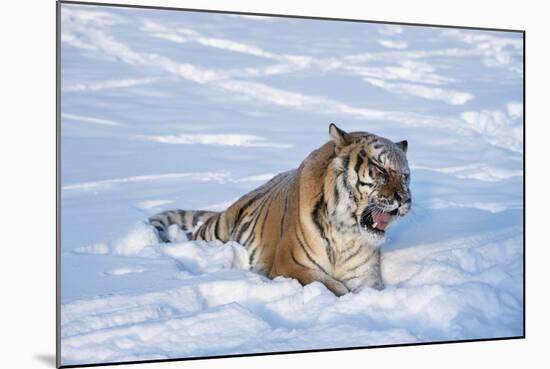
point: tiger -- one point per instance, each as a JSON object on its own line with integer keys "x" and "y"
{"x": 324, "y": 221}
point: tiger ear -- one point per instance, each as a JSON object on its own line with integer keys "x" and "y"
{"x": 403, "y": 145}
{"x": 339, "y": 137}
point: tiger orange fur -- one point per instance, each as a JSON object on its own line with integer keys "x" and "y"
{"x": 323, "y": 221}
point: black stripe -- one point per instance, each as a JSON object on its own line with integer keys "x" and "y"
{"x": 352, "y": 255}
{"x": 371, "y": 139}
{"x": 260, "y": 209}
{"x": 181, "y": 213}
{"x": 273, "y": 195}
{"x": 336, "y": 193}
{"x": 243, "y": 208}
{"x": 243, "y": 229}
{"x": 316, "y": 216}
{"x": 252, "y": 235}
{"x": 257, "y": 214}
{"x": 208, "y": 226}
{"x": 228, "y": 231}
{"x": 251, "y": 258}
{"x": 361, "y": 183}
{"x": 347, "y": 185}
{"x": 307, "y": 253}
{"x": 171, "y": 217}
{"x": 349, "y": 248}
{"x": 350, "y": 278}
{"x": 217, "y": 226}
{"x": 195, "y": 219}
{"x": 383, "y": 152}
{"x": 371, "y": 171}
{"x": 309, "y": 256}
{"x": 263, "y": 224}
{"x": 248, "y": 204}
{"x": 357, "y": 266}
{"x": 330, "y": 254}
{"x": 158, "y": 227}
{"x": 358, "y": 164}
{"x": 345, "y": 162}
{"x": 202, "y": 231}
{"x": 164, "y": 219}
{"x": 311, "y": 259}
{"x": 284, "y": 216}
{"x": 363, "y": 262}
{"x": 297, "y": 262}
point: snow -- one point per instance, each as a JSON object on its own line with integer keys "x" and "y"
{"x": 164, "y": 110}
{"x": 80, "y": 118}
{"x": 135, "y": 241}
{"x": 231, "y": 139}
{"x": 123, "y": 271}
{"x": 106, "y": 184}
{"x": 432, "y": 93}
{"x": 96, "y": 248}
{"x": 151, "y": 204}
{"x": 393, "y": 44}
{"x": 456, "y": 289}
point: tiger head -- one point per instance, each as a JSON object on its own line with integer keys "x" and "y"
{"x": 371, "y": 182}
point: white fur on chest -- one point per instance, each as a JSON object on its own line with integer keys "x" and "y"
{"x": 357, "y": 261}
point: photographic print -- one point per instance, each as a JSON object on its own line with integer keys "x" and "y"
{"x": 236, "y": 184}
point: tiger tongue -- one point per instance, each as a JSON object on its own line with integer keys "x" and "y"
{"x": 381, "y": 220}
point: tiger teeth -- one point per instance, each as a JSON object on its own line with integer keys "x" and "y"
{"x": 374, "y": 225}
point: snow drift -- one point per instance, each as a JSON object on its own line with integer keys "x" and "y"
{"x": 457, "y": 289}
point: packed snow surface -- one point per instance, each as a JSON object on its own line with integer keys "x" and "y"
{"x": 165, "y": 109}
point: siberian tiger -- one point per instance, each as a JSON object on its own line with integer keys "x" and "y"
{"x": 324, "y": 221}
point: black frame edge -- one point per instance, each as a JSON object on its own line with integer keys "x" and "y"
{"x": 135, "y": 6}
{"x": 293, "y": 352}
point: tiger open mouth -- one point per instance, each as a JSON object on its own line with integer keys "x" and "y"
{"x": 377, "y": 222}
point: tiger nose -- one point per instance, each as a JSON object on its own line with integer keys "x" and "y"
{"x": 402, "y": 198}
{"x": 398, "y": 197}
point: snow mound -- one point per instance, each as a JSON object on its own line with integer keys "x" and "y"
{"x": 206, "y": 257}
{"x": 211, "y": 331}
{"x": 456, "y": 289}
{"x": 136, "y": 242}
{"x": 498, "y": 127}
